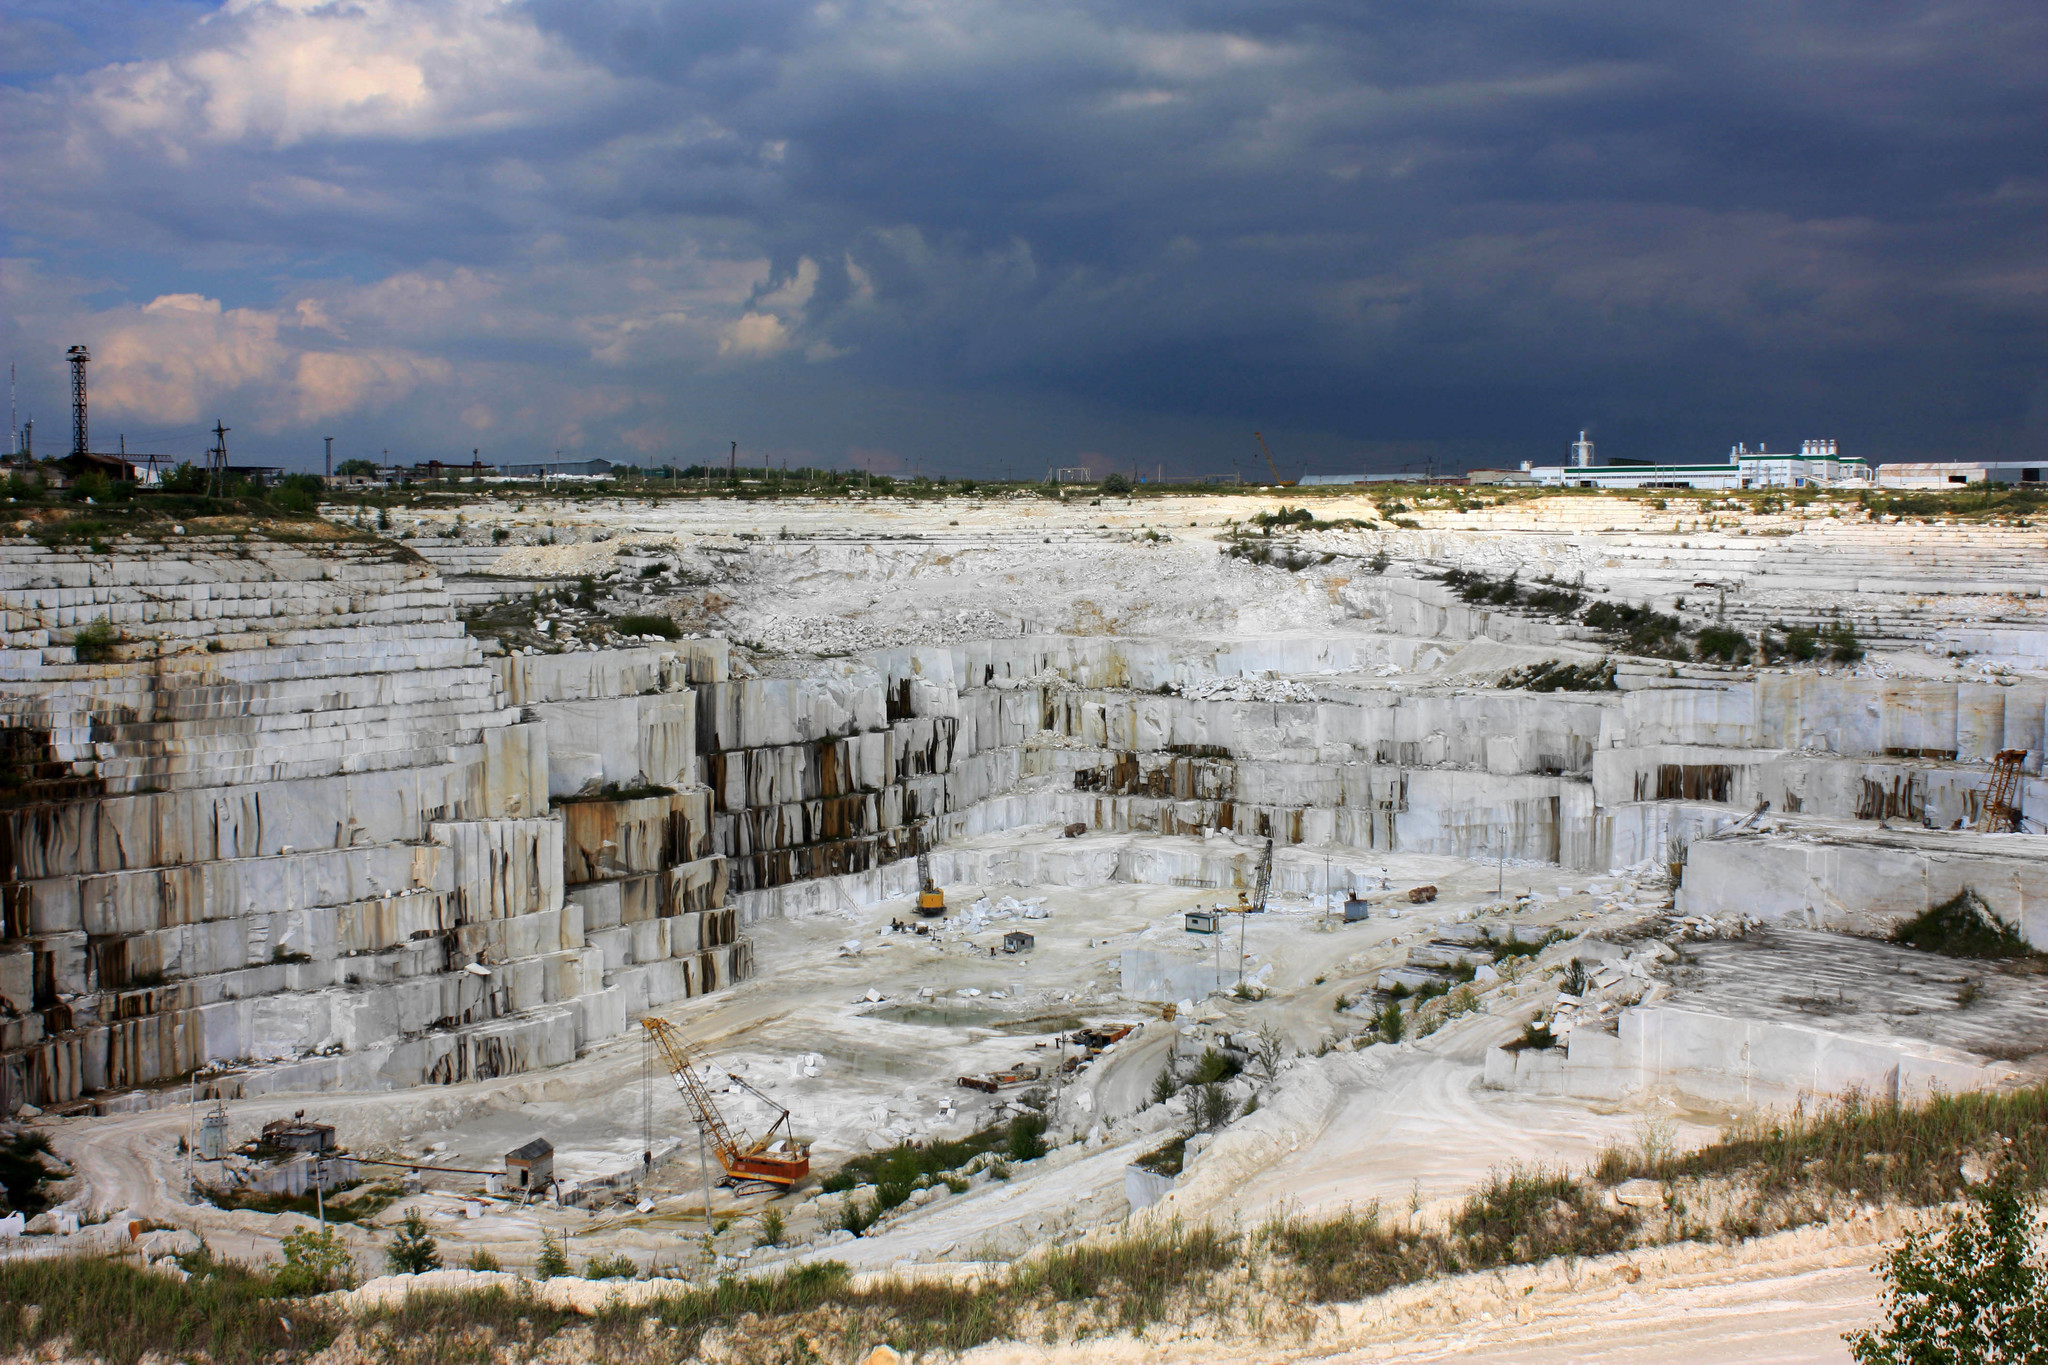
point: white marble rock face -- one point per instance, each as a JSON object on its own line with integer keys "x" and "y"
{"x": 277, "y": 830}
{"x": 282, "y": 825}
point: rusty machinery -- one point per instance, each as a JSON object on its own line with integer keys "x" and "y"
{"x": 769, "y": 1159}
{"x": 1999, "y": 813}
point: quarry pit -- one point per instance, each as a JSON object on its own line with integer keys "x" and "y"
{"x": 401, "y": 830}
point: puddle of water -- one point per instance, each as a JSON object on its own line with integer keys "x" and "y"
{"x": 974, "y": 1016}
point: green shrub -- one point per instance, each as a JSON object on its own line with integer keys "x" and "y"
{"x": 482, "y": 1260}
{"x": 1641, "y": 629}
{"x": 553, "y": 1261}
{"x": 412, "y": 1251}
{"x": 94, "y": 643}
{"x": 1725, "y": 646}
{"x": 615, "y": 1267}
{"x": 1164, "y": 1086}
{"x": 1027, "y": 1137}
{"x": 186, "y": 478}
{"x": 1215, "y": 1106}
{"x": 1214, "y": 1066}
{"x": 1390, "y": 1022}
{"x": 1116, "y": 483}
{"x": 1962, "y": 926}
{"x": 1975, "y": 1291}
{"x": 297, "y": 493}
{"x": 1843, "y": 646}
{"x": 21, "y": 1175}
{"x": 647, "y": 623}
{"x": 773, "y": 1227}
{"x": 315, "y": 1262}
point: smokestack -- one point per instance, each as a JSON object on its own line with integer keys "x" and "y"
{"x": 330, "y": 457}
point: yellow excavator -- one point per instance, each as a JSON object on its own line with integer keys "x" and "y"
{"x": 931, "y": 902}
{"x": 766, "y": 1160}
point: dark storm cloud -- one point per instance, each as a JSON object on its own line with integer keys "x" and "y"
{"x": 972, "y": 232}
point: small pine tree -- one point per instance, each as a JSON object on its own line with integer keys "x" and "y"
{"x": 1390, "y": 1022}
{"x": 1977, "y": 1292}
{"x": 412, "y": 1251}
{"x": 553, "y": 1260}
{"x": 1163, "y": 1086}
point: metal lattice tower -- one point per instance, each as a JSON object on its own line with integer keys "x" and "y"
{"x": 79, "y": 356}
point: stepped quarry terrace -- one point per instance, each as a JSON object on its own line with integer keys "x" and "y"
{"x": 1532, "y": 824}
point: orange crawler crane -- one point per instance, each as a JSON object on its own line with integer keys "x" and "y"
{"x": 771, "y": 1160}
{"x": 1998, "y": 814}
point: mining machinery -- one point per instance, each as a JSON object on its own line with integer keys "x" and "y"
{"x": 769, "y": 1160}
{"x": 1999, "y": 813}
{"x": 931, "y": 902}
{"x": 1272, "y": 464}
{"x": 1262, "y": 882}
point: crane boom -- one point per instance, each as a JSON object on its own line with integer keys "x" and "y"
{"x": 1270, "y": 463}
{"x": 781, "y": 1161}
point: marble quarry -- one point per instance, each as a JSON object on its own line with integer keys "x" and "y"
{"x": 305, "y": 825}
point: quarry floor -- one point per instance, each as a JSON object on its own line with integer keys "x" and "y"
{"x": 886, "y": 1022}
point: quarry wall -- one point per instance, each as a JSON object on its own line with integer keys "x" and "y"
{"x": 299, "y": 825}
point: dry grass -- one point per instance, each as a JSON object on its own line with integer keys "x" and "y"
{"x": 1765, "y": 1175}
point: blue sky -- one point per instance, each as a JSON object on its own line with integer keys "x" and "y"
{"x": 982, "y": 238}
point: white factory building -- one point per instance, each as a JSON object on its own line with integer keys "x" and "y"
{"x": 1819, "y": 464}
{"x": 1949, "y": 474}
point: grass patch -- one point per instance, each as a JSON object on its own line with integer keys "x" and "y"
{"x": 1962, "y": 926}
{"x": 113, "y": 1311}
{"x": 1165, "y": 1160}
{"x": 1909, "y": 1153}
{"x": 1788, "y": 1169}
{"x": 903, "y": 1163}
{"x": 899, "y": 1171}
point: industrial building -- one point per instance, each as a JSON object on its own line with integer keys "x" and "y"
{"x": 1950, "y": 474}
{"x": 1819, "y": 464}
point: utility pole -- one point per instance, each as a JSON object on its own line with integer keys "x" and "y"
{"x": 732, "y": 476}
{"x": 217, "y": 461}
{"x": 13, "y": 428}
{"x": 330, "y": 457}
{"x": 704, "y": 1171}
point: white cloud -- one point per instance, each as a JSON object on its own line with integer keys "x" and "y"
{"x": 754, "y": 336}
{"x": 286, "y": 71}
